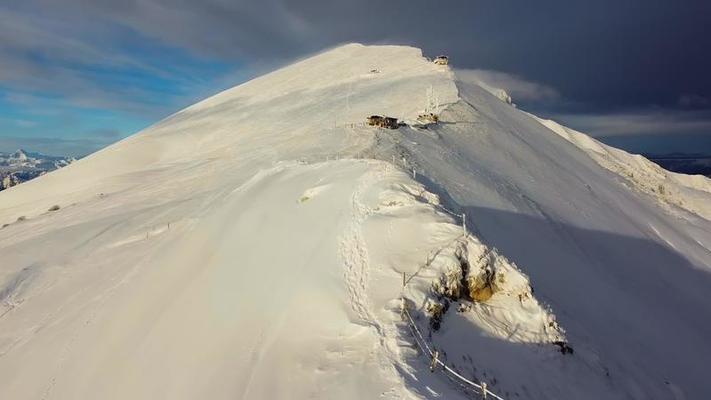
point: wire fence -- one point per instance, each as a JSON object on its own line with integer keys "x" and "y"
{"x": 479, "y": 388}
{"x": 436, "y": 362}
{"x": 410, "y": 166}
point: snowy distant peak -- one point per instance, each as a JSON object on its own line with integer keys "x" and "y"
{"x": 22, "y": 165}
{"x": 20, "y": 155}
{"x": 24, "y": 158}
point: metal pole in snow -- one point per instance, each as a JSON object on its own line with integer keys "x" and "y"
{"x": 464, "y": 222}
{"x": 403, "y": 305}
{"x": 434, "y": 361}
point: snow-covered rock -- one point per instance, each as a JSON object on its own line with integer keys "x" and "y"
{"x": 503, "y": 96}
{"x": 254, "y": 245}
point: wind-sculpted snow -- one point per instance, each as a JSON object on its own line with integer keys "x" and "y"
{"x": 253, "y": 246}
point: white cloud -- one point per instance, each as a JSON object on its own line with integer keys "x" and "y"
{"x": 519, "y": 88}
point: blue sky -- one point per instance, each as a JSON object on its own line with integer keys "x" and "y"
{"x": 122, "y": 101}
{"x": 76, "y": 75}
{"x": 52, "y": 125}
{"x": 73, "y": 95}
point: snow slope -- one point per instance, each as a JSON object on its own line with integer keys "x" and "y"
{"x": 253, "y": 246}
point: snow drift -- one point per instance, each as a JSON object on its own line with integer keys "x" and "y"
{"x": 254, "y": 246}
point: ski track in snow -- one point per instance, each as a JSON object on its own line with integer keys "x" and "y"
{"x": 354, "y": 253}
{"x": 355, "y": 257}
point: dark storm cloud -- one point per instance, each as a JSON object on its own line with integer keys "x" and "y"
{"x": 597, "y": 57}
{"x": 604, "y": 53}
{"x": 651, "y": 122}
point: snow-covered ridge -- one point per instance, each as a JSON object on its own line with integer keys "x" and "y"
{"x": 253, "y": 246}
{"x": 688, "y": 192}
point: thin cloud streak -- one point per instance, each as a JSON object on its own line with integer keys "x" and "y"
{"x": 516, "y": 86}
{"x": 652, "y": 122}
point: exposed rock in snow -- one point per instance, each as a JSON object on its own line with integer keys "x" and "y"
{"x": 254, "y": 245}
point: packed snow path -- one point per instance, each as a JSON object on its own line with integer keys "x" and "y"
{"x": 218, "y": 254}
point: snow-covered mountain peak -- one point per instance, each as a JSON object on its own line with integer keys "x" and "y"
{"x": 20, "y": 155}
{"x": 20, "y": 166}
{"x": 260, "y": 244}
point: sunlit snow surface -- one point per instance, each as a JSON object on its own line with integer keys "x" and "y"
{"x": 252, "y": 246}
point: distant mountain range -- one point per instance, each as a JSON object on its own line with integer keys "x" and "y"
{"x": 21, "y": 166}
{"x": 691, "y": 164}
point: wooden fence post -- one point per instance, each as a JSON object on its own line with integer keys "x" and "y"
{"x": 435, "y": 357}
{"x": 464, "y": 222}
{"x": 483, "y": 390}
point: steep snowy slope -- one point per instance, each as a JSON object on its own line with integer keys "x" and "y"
{"x": 253, "y": 246}
{"x": 688, "y": 192}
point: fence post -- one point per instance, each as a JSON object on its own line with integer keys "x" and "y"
{"x": 414, "y": 173}
{"x": 403, "y": 305}
{"x": 435, "y": 357}
{"x": 464, "y": 222}
{"x": 403, "y": 308}
{"x": 483, "y": 390}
